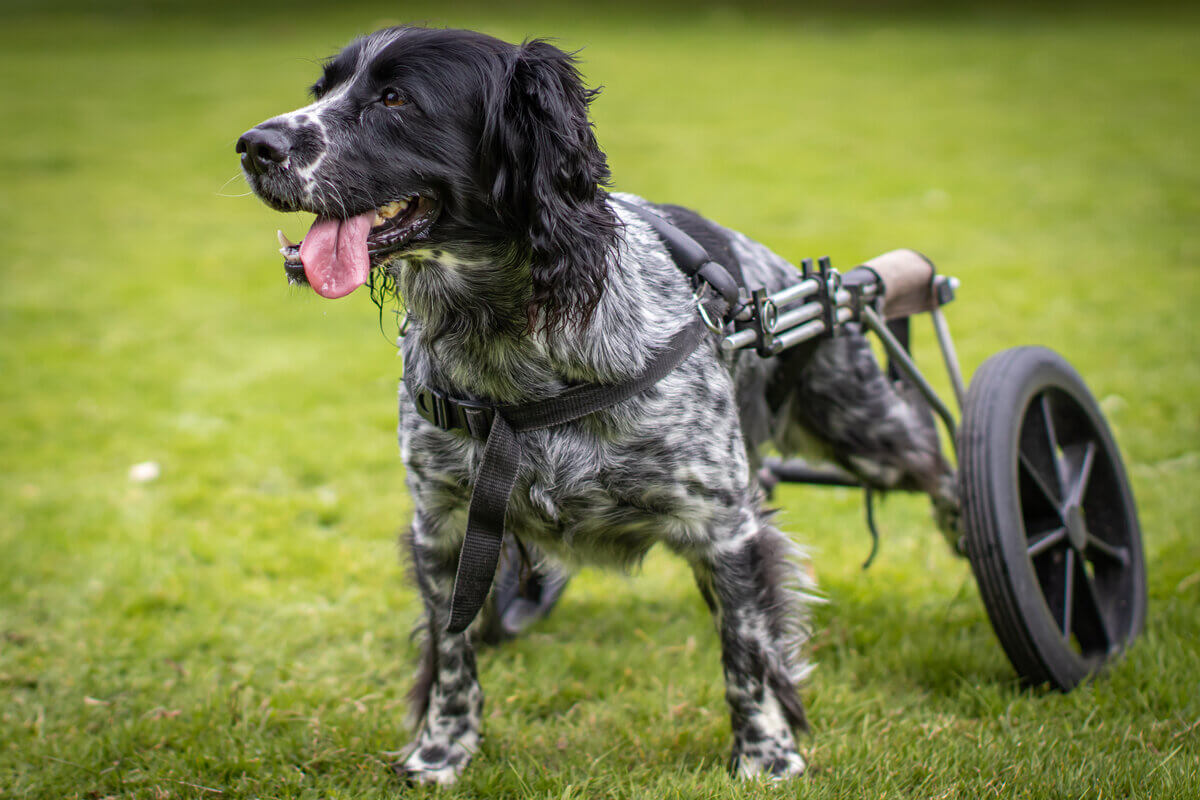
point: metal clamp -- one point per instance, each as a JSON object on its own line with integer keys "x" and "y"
{"x": 766, "y": 314}
{"x": 827, "y": 294}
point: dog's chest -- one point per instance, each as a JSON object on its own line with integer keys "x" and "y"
{"x": 606, "y": 488}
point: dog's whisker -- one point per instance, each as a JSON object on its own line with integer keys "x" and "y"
{"x": 239, "y": 176}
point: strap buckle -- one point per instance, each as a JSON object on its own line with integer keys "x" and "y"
{"x": 432, "y": 406}
{"x": 451, "y": 414}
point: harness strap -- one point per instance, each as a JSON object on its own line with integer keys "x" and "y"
{"x": 689, "y": 256}
{"x": 502, "y": 457}
{"x": 480, "y": 551}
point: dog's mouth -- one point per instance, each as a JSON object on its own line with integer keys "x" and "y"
{"x": 337, "y": 255}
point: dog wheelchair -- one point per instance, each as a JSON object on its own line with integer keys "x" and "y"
{"x": 1048, "y": 520}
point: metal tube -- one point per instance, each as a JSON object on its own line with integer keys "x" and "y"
{"x": 736, "y": 341}
{"x": 791, "y": 319}
{"x": 808, "y": 311}
{"x": 942, "y": 330}
{"x": 788, "y": 338}
{"x": 794, "y": 292}
{"x": 809, "y": 330}
{"x": 797, "y": 471}
{"x": 797, "y": 335}
{"x": 906, "y": 365}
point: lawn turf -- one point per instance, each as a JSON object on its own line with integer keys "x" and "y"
{"x": 239, "y": 626}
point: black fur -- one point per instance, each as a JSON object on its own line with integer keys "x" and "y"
{"x": 545, "y": 171}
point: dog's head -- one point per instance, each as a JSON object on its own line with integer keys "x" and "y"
{"x": 423, "y": 140}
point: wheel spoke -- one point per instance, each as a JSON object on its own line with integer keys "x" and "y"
{"x": 1046, "y": 541}
{"x": 1039, "y": 480}
{"x": 1052, "y": 438}
{"x": 1098, "y": 545}
{"x": 1068, "y": 593}
{"x": 1091, "y": 624}
{"x": 1037, "y": 451}
{"x": 1079, "y": 475}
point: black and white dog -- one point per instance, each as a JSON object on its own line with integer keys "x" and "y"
{"x": 462, "y": 172}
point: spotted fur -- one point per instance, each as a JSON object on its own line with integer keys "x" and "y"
{"x": 532, "y": 280}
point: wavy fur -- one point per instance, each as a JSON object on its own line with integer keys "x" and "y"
{"x": 544, "y": 173}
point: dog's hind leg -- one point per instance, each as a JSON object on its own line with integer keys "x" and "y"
{"x": 446, "y": 702}
{"x": 756, "y": 591}
{"x": 883, "y": 437}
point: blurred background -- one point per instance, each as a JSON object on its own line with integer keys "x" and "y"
{"x": 200, "y": 490}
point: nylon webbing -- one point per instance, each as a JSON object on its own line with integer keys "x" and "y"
{"x": 480, "y": 551}
{"x": 689, "y": 255}
{"x": 485, "y": 524}
{"x": 588, "y": 398}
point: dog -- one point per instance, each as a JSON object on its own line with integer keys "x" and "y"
{"x": 461, "y": 174}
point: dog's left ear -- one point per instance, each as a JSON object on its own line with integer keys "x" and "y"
{"x": 543, "y": 171}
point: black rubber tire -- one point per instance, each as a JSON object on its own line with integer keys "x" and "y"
{"x": 1051, "y": 527}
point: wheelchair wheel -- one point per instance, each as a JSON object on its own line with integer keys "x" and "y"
{"x": 1051, "y": 528}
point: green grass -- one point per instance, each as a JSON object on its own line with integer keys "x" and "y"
{"x": 238, "y": 627}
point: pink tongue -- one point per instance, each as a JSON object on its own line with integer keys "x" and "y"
{"x": 334, "y": 254}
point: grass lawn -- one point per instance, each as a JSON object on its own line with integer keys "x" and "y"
{"x": 238, "y": 628}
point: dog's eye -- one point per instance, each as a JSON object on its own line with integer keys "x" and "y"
{"x": 392, "y": 99}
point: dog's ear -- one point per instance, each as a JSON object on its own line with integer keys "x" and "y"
{"x": 543, "y": 172}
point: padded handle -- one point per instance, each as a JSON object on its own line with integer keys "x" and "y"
{"x": 907, "y": 278}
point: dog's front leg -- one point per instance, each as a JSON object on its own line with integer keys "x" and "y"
{"x": 447, "y": 702}
{"x": 750, "y": 584}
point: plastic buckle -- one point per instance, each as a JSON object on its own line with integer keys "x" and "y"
{"x": 433, "y": 406}
{"x": 448, "y": 414}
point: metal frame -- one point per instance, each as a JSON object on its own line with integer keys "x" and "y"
{"x": 831, "y": 300}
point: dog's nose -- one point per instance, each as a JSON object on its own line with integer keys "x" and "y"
{"x": 261, "y": 148}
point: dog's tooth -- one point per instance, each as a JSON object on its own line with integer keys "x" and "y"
{"x": 389, "y": 210}
{"x": 288, "y": 249}
{"x": 379, "y": 220}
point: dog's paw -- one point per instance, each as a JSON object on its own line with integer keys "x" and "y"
{"x": 770, "y": 763}
{"x": 433, "y": 764}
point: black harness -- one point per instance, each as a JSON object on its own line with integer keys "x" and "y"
{"x": 497, "y": 424}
